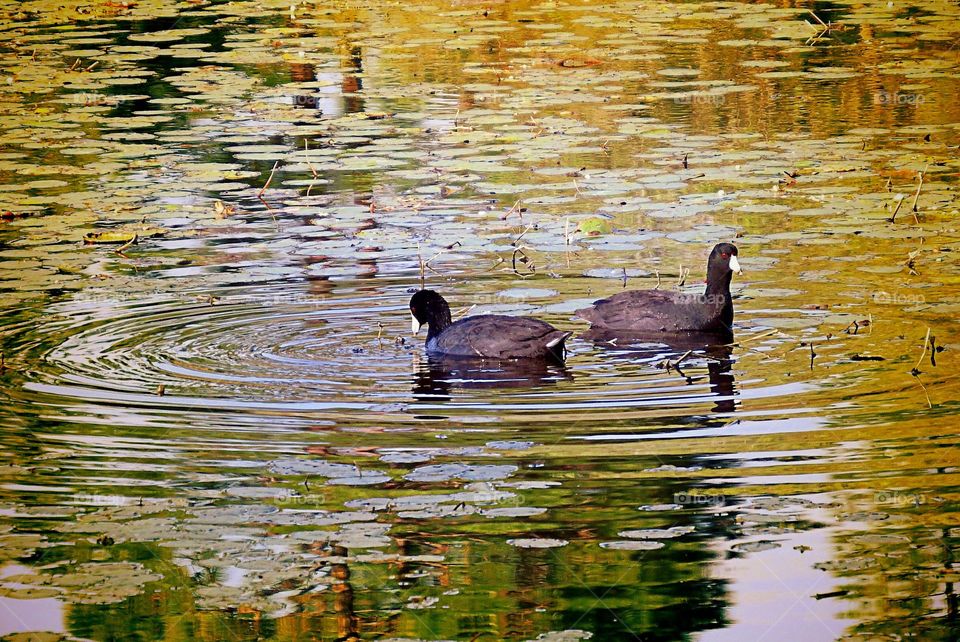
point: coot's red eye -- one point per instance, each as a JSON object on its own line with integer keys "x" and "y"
{"x": 724, "y": 255}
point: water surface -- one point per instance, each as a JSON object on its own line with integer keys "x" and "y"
{"x": 225, "y": 431}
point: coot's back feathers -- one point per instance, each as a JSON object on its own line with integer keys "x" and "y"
{"x": 656, "y": 311}
{"x": 659, "y": 311}
{"x": 486, "y": 336}
{"x": 496, "y": 336}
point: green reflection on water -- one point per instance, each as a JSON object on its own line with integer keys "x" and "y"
{"x": 154, "y": 398}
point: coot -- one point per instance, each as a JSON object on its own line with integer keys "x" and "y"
{"x": 659, "y": 311}
{"x": 486, "y": 336}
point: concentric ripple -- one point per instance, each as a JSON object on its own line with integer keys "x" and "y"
{"x": 348, "y": 359}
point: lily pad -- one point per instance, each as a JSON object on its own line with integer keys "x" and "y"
{"x": 544, "y": 542}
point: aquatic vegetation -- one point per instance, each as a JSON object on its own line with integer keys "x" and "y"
{"x": 213, "y": 215}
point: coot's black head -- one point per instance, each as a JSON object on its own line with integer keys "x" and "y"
{"x": 428, "y": 307}
{"x": 723, "y": 260}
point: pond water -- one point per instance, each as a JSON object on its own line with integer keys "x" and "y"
{"x": 216, "y": 425}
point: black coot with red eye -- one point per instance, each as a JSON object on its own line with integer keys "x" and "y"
{"x": 484, "y": 336}
{"x": 652, "y": 312}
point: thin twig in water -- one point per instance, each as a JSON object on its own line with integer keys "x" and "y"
{"x": 306, "y": 150}
{"x": 272, "y": 215}
{"x": 916, "y": 196}
{"x": 657, "y": 286}
{"x": 817, "y": 18}
{"x": 812, "y": 355}
{"x": 463, "y": 311}
{"x": 674, "y": 365}
{"x": 926, "y": 340}
{"x": 513, "y": 259}
{"x": 911, "y": 261}
{"x": 126, "y": 245}
{"x": 762, "y": 335}
{"x": 517, "y": 240}
{"x": 269, "y": 178}
{"x": 446, "y": 249}
{"x": 827, "y": 28}
{"x": 426, "y": 263}
{"x": 523, "y": 259}
{"x": 897, "y": 208}
{"x": 515, "y": 208}
{"x": 500, "y": 260}
{"x": 924, "y": 388}
{"x": 423, "y": 269}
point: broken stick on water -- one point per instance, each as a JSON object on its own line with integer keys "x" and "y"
{"x": 916, "y": 196}
{"x": 269, "y": 178}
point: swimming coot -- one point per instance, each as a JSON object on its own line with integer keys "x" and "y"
{"x": 659, "y": 311}
{"x": 487, "y": 336}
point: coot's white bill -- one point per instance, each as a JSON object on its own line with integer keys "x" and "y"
{"x": 735, "y": 265}
{"x": 414, "y": 325}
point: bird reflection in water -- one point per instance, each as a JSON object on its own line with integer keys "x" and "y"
{"x": 436, "y": 377}
{"x": 668, "y": 348}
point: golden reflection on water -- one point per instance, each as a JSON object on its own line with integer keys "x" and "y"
{"x": 226, "y": 405}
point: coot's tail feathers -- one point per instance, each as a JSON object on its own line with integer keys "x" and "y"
{"x": 555, "y": 345}
{"x": 558, "y": 339}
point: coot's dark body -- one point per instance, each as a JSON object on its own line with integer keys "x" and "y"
{"x": 485, "y": 336}
{"x": 496, "y": 336}
{"x": 658, "y": 311}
